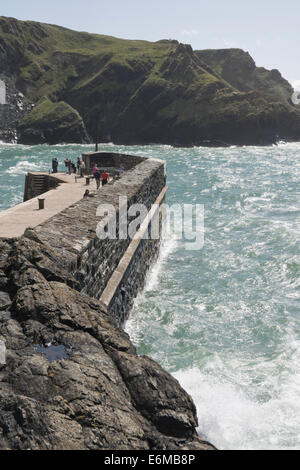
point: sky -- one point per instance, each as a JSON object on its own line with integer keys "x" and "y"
{"x": 267, "y": 29}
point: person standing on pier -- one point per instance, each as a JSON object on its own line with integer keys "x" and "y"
{"x": 68, "y": 164}
{"x": 82, "y": 169}
{"x": 78, "y": 165}
{"x": 95, "y": 169}
{"x": 54, "y": 165}
{"x": 104, "y": 177}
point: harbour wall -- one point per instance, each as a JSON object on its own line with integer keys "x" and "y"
{"x": 100, "y": 389}
{"x": 110, "y": 270}
{"x": 107, "y": 160}
{"x": 37, "y": 184}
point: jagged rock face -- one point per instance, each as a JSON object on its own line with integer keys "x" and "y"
{"x": 99, "y": 394}
{"x": 239, "y": 69}
{"x": 184, "y": 104}
{"x": 52, "y": 123}
{"x": 13, "y": 107}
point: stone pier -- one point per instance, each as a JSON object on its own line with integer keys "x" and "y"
{"x": 112, "y": 271}
{"x": 70, "y": 378}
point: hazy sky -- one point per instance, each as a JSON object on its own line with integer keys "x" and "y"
{"x": 267, "y": 29}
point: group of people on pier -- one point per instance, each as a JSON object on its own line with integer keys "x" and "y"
{"x": 104, "y": 176}
{"x": 80, "y": 170}
{"x": 70, "y": 166}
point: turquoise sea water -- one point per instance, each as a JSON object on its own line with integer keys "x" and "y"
{"x": 224, "y": 320}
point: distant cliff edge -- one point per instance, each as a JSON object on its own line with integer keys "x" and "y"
{"x": 59, "y": 83}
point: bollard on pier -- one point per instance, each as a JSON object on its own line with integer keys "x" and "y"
{"x": 41, "y": 204}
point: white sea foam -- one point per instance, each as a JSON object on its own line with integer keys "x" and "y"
{"x": 6, "y": 144}
{"x": 168, "y": 246}
{"x": 134, "y": 325}
{"x": 231, "y": 418}
{"x": 225, "y": 319}
{"x": 23, "y": 167}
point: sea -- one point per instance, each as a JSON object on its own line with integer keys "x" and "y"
{"x": 224, "y": 319}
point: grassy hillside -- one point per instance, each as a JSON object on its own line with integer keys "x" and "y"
{"x": 140, "y": 91}
{"x": 49, "y": 58}
{"x": 239, "y": 69}
{"x": 183, "y": 102}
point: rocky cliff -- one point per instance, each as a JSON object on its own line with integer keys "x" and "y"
{"x": 139, "y": 92}
{"x": 73, "y": 379}
{"x": 238, "y": 69}
{"x": 51, "y": 123}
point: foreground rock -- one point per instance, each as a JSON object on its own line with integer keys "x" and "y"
{"x": 73, "y": 379}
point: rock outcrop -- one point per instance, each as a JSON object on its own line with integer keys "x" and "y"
{"x": 238, "y": 69}
{"x": 72, "y": 378}
{"x": 141, "y": 92}
{"x": 13, "y": 108}
{"x": 50, "y": 123}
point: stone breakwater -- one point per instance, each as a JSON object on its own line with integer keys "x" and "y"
{"x": 99, "y": 394}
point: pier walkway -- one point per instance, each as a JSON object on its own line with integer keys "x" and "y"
{"x": 14, "y": 221}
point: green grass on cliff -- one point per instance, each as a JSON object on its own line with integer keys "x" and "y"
{"x": 52, "y": 59}
{"x": 52, "y": 56}
{"x": 47, "y": 114}
{"x": 239, "y": 69}
{"x": 142, "y": 91}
